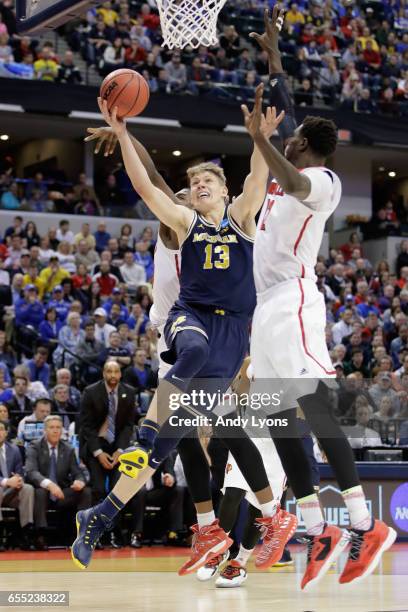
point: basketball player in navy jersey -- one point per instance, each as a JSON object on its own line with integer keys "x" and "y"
{"x": 207, "y": 338}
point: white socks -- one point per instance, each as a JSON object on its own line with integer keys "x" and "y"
{"x": 270, "y": 508}
{"x": 206, "y": 518}
{"x": 243, "y": 555}
{"x": 312, "y": 514}
{"x": 355, "y": 501}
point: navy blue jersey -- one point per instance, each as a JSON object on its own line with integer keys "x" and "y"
{"x": 216, "y": 266}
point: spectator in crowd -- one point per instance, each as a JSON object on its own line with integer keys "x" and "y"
{"x": 63, "y": 376}
{"x": 138, "y": 320}
{"x": 67, "y": 71}
{"x": 52, "y": 468}
{"x": 134, "y": 274}
{"x": 385, "y": 410}
{"x": 53, "y": 274}
{"x": 382, "y": 388}
{"x": 144, "y": 258}
{"x": 102, "y": 237}
{"x": 9, "y": 199}
{"x": 69, "y": 338}
{"x": 14, "y": 492}
{"x": 60, "y": 305}
{"x": 41, "y": 409}
{"x": 360, "y": 435}
{"x": 46, "y": 67}
{"x": 102, "y": 328}
{"x": 86, "y": 255}
{"x": 93, "y": 352}
{"x": 62, "y": 406}
{"x": 141, "y": 377}
{"x": 50, "y": 327}
{"x": 38, "y": 366}
{"x": 19, "y": 404}
{"x": 105, "y": 280}
{"x": 29, "y": 309}
{"x": 64, "y": 233}
{"x": 116, "y": 352}
{"x": 32, "y": 278}
{"x": 7, "y": 354}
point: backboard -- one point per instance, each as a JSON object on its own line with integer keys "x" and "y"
{"x": 40, "y": 16}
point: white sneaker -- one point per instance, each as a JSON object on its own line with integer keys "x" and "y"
{"x": 209, "y": 570}
{"x": 233, "y": 575}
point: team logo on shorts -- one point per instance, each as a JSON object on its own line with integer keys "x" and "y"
{"x": 177, "y": 322}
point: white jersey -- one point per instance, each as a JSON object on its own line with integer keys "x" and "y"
{"x": 166, "y": 285}
{"x": 289, "y": 232}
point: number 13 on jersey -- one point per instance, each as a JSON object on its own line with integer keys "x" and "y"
{"x": 216, "y": 257}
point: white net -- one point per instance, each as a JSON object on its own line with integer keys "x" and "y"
{"x": 189, "y": 22}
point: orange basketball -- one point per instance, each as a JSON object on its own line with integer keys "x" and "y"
{"x": 127, "y": 90}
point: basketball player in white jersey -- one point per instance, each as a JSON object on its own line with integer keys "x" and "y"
{"x": 288, "y": 330}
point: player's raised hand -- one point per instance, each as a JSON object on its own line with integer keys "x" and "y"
{"x": 268, "y": 41}
{"x": 270, "y": 121}
{"x": 118, "y": 125}
{"x": 253, "y": 119}
{"x": 103, "y": 136}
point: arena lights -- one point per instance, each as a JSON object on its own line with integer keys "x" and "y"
{"x": 392, "y": 174}
{"x": 177, "y": 153}
{"x": 4, "y": 137}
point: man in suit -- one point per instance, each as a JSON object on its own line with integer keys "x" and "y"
{"x": 53, "y": 469}
{"x": 106, "y": 423}
{"x": 14, "y": 492}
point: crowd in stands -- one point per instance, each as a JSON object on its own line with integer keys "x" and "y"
{"x": 348, "y": 53}
{"x": 73, "y": 302}
{"x": 115, "y": 196}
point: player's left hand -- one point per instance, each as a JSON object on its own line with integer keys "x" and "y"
{"x": 270, "y": 121}
{"x": 118, "y": 125}
{"x": 78, "y": 485}
{"x": 168, "y": 480}
{"x": 102, "y": 135}
{"x": 253, "y": 120}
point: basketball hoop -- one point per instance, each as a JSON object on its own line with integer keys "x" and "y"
{"x": 189, "y": 22}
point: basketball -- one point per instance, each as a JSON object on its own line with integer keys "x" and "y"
{"x": 127, "y": 90}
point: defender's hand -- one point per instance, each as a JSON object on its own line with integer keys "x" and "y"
{"x": 103, "y": 135}
{"x": 270, "y": 121}
{"x": 268, "y": 41}
{"x": 253, "y": 120}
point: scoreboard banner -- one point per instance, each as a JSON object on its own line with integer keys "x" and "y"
{"x": 40, "y": 16}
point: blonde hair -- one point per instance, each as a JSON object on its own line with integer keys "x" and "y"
{"x": 207, "y": 167}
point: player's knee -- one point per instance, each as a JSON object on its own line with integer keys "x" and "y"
{"x": 193, "y": 350}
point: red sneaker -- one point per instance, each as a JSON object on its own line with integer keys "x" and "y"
{"x": 276, "y": 531}
{"x": 208, "y": 542}
{"x": 366, "y": 550}
{"x": 322, "y": 551}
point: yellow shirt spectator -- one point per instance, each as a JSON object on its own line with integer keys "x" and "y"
{"x": 89, "y": 239}
{"x": 294, "y": 16}
{"x": 110, "y": 17}
{"x": 37, "y": 282}
{"x": 53, "y": 275}
{"x": 46, "y": 69}
{"x": 363, "y": 41}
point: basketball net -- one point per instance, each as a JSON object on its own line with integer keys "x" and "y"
{"x": 189, "y": 22}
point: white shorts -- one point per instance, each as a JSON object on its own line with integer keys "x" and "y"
{"x": 288, "y": 337}
{"x": 161, "y": 347}
{"x": 274, "y": 470}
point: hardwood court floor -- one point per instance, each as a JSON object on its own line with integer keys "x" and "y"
{"x": 147, "y": 581}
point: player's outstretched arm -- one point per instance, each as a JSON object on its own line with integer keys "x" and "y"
{"x": 279, "y": 93}
{"x": 177, "y": 217}
{"x": 246, "y": 206}
{"x": 289, "y": 178}
{"x": 105, "y": 137}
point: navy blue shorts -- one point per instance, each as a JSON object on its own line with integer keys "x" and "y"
{"x": 227, "y": 335}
